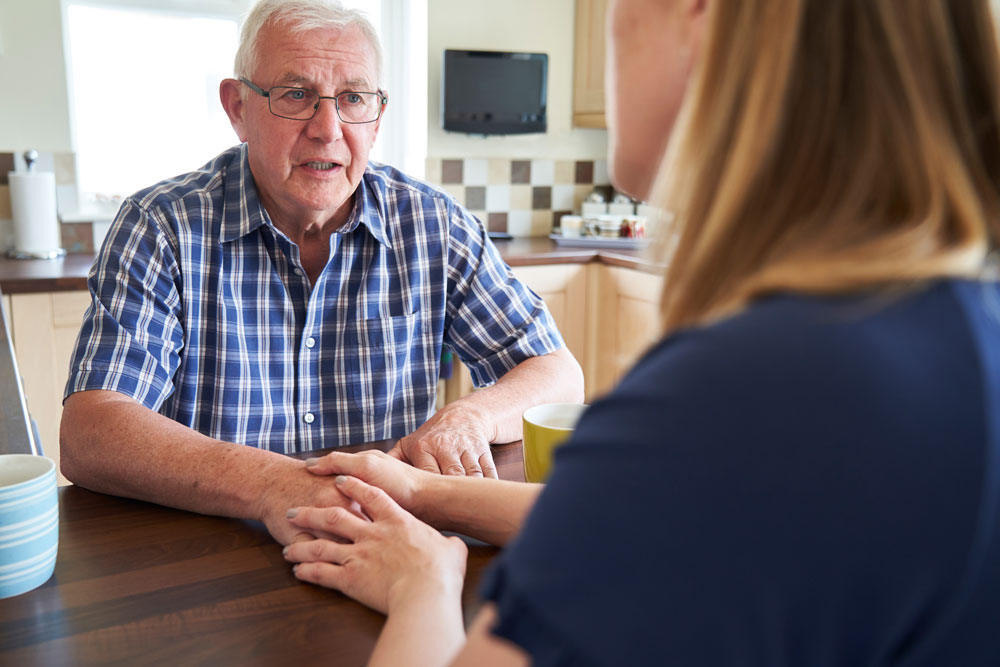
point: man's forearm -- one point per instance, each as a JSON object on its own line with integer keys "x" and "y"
{"x": 551, "y": 378}
{"x": 113, "y": 445}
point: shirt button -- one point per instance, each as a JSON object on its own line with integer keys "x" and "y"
{"x": 310, "y": 342}
{"x": 297, "y": 271}
{"x": 309, "y": 418}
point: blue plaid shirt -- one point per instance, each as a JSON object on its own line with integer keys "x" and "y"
{"x": 201, "y": 311}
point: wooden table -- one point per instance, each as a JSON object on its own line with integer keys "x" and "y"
{"x": 141, "y": 584}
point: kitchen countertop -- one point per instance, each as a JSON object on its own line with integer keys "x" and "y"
{"x": 70, "y": 272}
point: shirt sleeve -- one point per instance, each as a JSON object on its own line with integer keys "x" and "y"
{"x": 493, "y": 321}
{"x": 132, "y": 335}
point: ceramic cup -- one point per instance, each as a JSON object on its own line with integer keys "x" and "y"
{"x": 545, "y": 428}
{"x": 571, "y": 225}
{"x": 29, "y": 522}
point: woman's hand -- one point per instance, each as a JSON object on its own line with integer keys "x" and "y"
{"x": 400, "y": 480}
{"x": 392, "y": 560}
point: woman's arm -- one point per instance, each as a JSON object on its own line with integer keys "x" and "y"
{"x": 491, "y": 510}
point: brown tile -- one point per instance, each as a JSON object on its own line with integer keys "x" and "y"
{"x": 6, "y": 164}
{"x": 557, "y": 216}
{"x": 520, "y": 171}
{"x": 475, "y": 197}
{"x": 585, "y": 171}
{"x": 451, "y": 171}
{"x": 5, "y": 212}
{"x": 77, "y": 236}
{"x": 498, "y": 222}
{"x": 541, "y": 197}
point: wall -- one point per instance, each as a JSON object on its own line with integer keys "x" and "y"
{"x": 509, "y": 25}
{"x": 34, "y": 107}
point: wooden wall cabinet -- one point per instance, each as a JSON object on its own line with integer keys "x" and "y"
{"x": 588, "y": 64}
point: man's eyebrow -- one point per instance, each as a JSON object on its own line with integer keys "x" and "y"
{"x": 299, "y": 80}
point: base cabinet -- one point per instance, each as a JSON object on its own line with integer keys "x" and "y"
{"x": 607, "y": 315}
{"x": 44, "y": 328}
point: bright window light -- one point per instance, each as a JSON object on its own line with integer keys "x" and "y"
{"x": 145, "y": 95}
{"x": 144, "y": 91}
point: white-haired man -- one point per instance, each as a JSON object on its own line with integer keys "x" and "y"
{"x": 291, "y": 296}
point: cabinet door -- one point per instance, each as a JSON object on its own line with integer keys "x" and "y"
{"x": 625, "y": 319}
{"x": 588, "y": 70}
{"x": 563, "y": 287}
{"x": 44, "y": 329}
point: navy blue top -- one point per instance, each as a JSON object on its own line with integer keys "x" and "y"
{"x": 815, "y": 481}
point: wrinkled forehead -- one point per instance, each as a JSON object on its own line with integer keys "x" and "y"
{"x": 311, "y": 57}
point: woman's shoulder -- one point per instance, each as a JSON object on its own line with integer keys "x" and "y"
{"x": 795, "y": 341}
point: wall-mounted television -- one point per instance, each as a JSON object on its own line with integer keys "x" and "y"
{"x": 494, "y": 92}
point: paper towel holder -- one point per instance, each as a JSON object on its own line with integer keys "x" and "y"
{"x": 30, "y": 157}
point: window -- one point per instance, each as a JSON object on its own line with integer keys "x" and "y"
{"x": 144, "y": 79}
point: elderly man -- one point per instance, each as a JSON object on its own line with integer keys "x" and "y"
{"x": 291, "y": 296}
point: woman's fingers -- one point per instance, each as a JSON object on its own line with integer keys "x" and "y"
{"x": 336, "y": 521}
{"x": 317, "y": 550}
{"x": 343, "y": 463}
{"x": 327, "y": 575}
{"x": 375, "y": 502}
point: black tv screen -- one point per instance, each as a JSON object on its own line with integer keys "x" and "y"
{"x": 494, "y": 92}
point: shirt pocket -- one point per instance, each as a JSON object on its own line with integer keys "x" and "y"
{"x": 383, "y": 356}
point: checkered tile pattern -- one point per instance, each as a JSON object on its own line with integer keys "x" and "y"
{"x": 520, "y": 197}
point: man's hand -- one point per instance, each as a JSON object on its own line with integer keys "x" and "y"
{"x": 455, "y": 441}
{"x": 293, "y": 486}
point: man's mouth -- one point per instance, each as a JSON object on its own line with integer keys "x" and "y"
{"x": 322, "y": 166}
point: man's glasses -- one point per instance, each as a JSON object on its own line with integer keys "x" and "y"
{"x": 302, "y": 103}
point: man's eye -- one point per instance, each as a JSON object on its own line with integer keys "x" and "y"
{"x": 351, "y": 98}
{"x": 294, "y": 95}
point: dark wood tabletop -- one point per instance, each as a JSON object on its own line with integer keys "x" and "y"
{"x": 141, "y": 584}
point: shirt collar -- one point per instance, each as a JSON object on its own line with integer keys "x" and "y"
{"x": 243, "y": 213}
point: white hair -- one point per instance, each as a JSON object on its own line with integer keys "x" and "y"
{"x": 299, "y": 16}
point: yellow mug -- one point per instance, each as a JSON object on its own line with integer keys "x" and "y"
{"x": 545, "y": 428}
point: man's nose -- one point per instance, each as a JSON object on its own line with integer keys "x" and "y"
{"x": 326, "y": 124}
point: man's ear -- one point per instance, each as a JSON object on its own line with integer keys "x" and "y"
{"x": 232, "y": 102}
{"x": 385, "y": 107}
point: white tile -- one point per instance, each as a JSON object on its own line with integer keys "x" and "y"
{"x": 497, "y": 198}
{"x": 601, "y": 172}
{"x": 562, "y": 197}
{"x": 543, "y": 172}
{"x": 475, "y": 172}
{"x": 100, "y": 230}
{"x": 66, "y": 199}
{"x": 456, "y": 191}
{"x": 520, "y": 197}
{"x": 433, "y": 170}
{"x": 499, "y": 171}
{"x": 519, "y": 223}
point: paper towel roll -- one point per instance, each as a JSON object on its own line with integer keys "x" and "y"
{"x": 33, "y": 203}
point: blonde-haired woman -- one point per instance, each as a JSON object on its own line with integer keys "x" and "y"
{"x": 806, "y": 469}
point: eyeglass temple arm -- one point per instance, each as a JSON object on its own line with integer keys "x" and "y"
{"x": 255, "y": 88}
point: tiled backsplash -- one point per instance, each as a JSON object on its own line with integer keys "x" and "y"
{"x": 520, "y": 197}
{"x": 77, "y": 237}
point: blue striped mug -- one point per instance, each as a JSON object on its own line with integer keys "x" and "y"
{"x": 29, "y": 522}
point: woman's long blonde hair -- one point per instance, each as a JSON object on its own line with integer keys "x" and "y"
{"x": 832, "y": 145}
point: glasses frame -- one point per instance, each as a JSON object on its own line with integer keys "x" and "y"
{"x": 383, "y": 100}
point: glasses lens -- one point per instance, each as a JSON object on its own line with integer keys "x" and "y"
{"x": 293, "y": 102}
{"x": 359, "y": 107}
